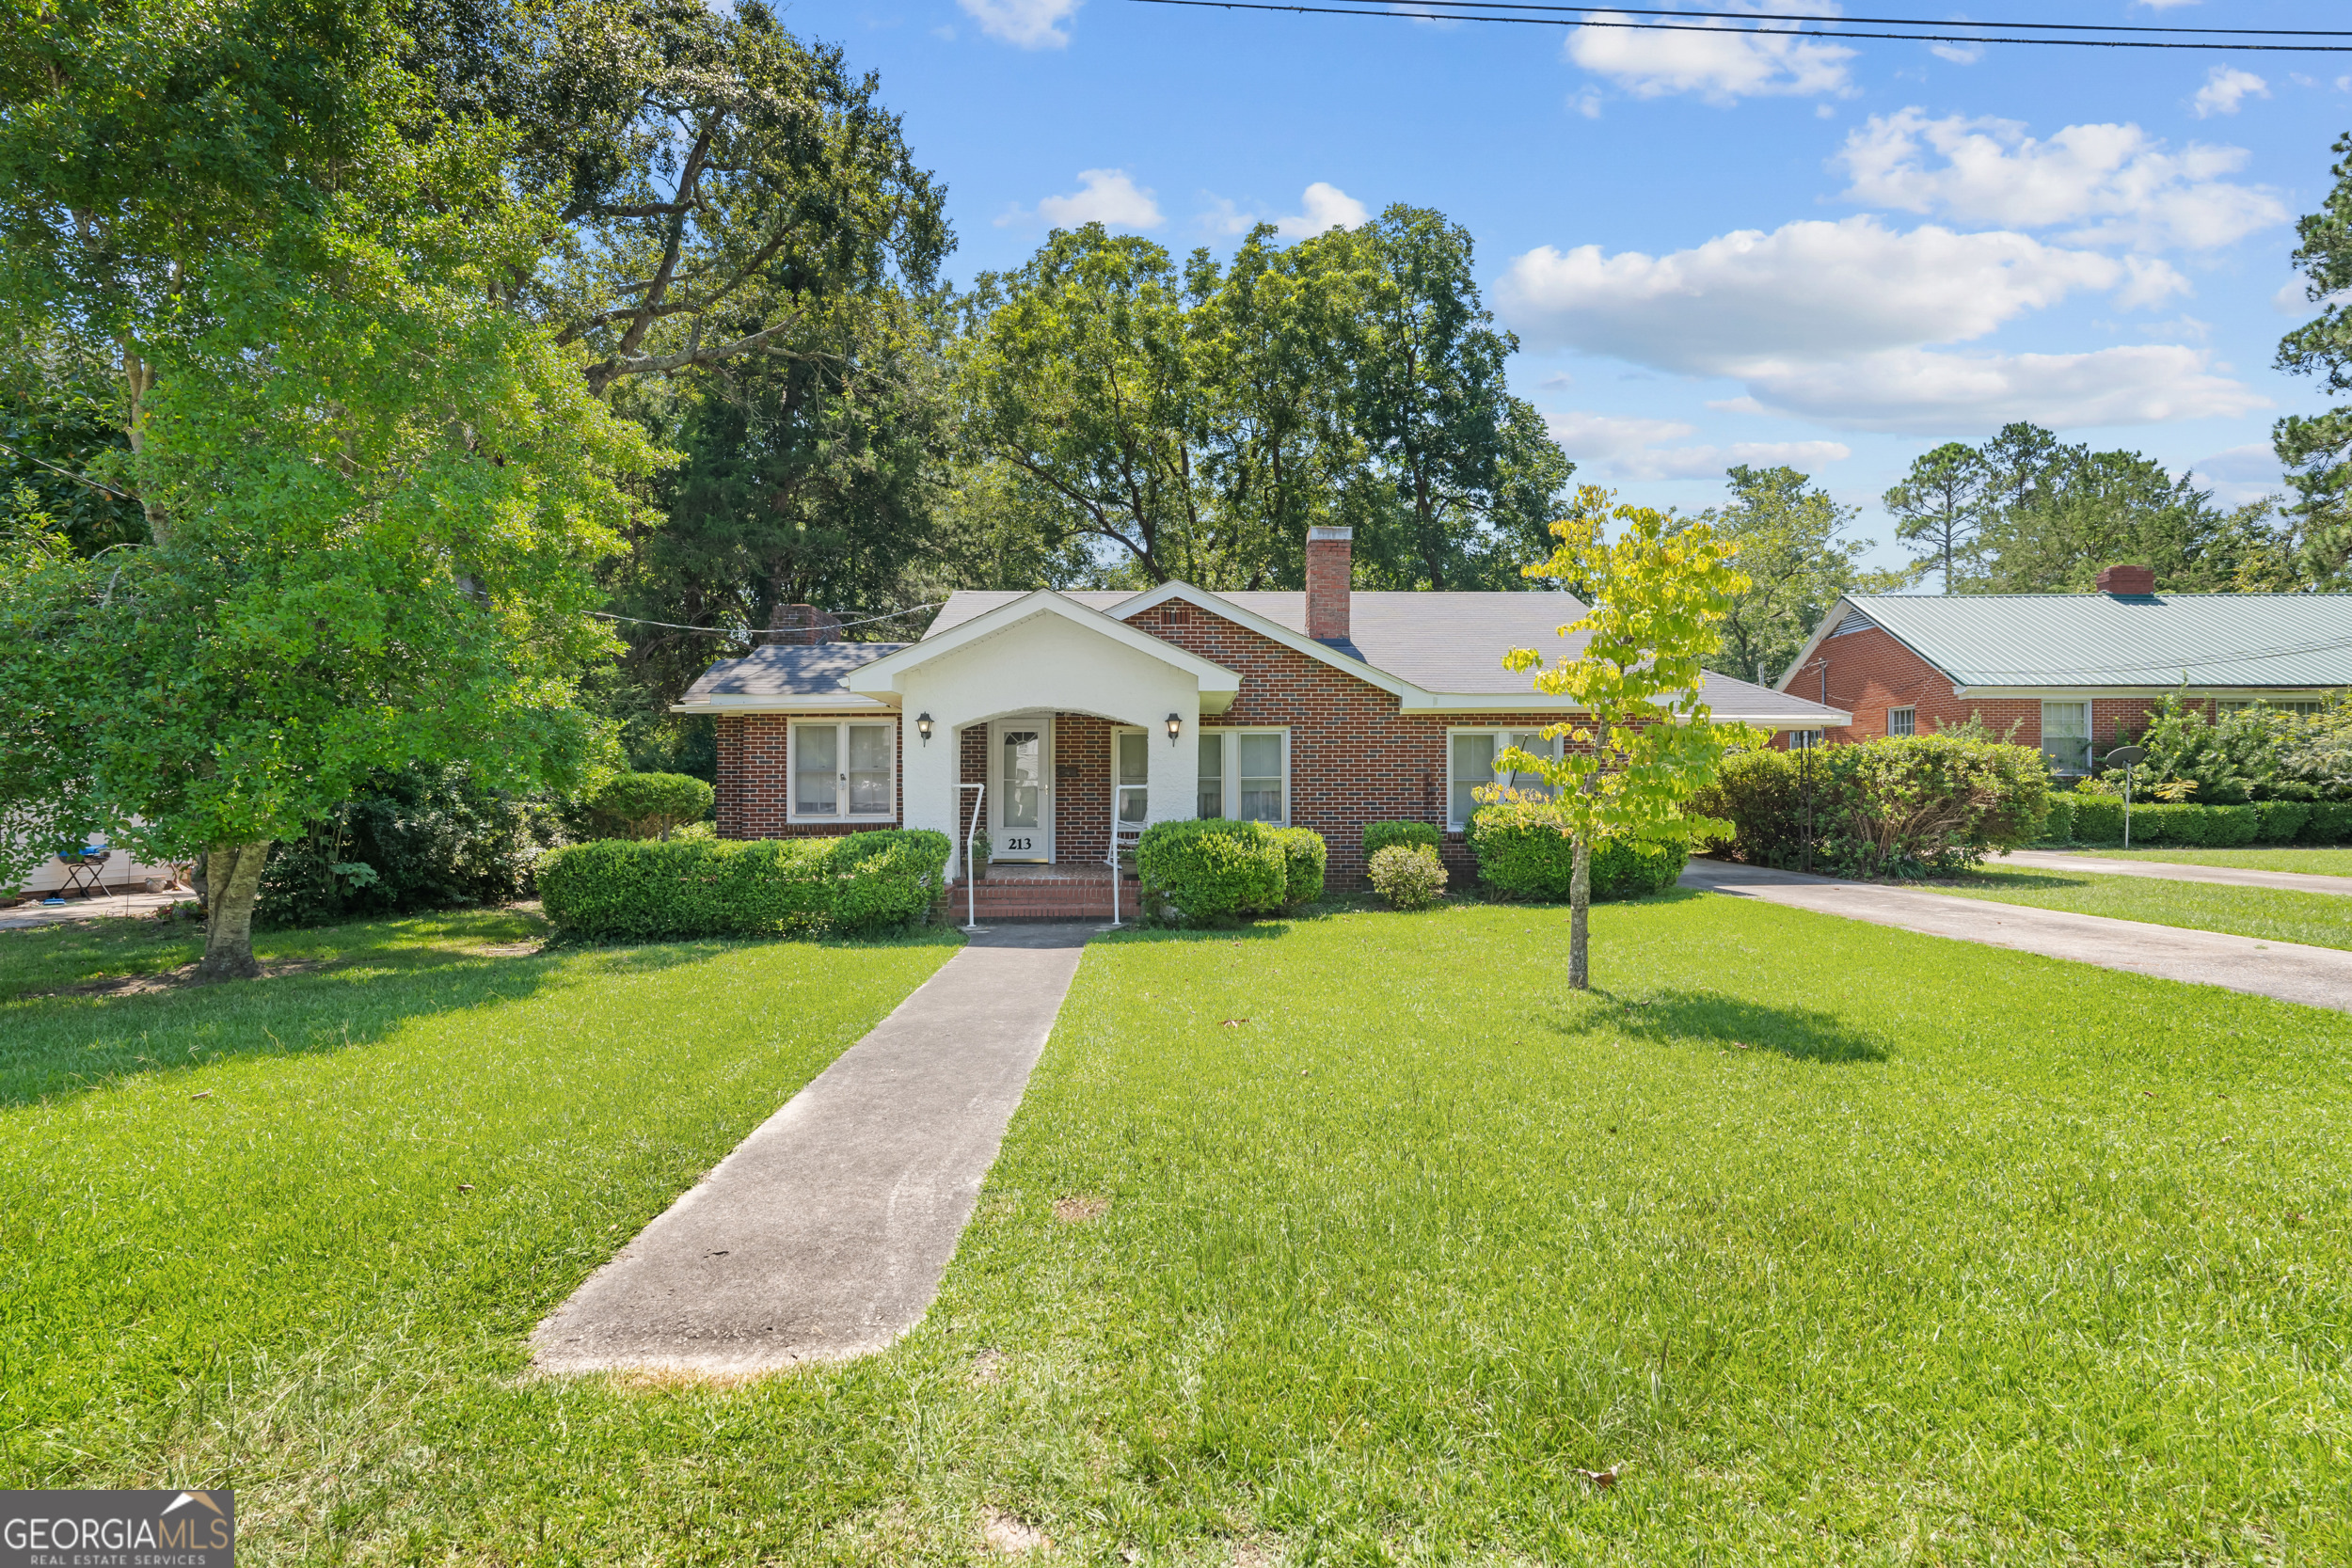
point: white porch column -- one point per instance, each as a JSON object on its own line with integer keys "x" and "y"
{"x": 1175, "y": 770}
{"x": 928, "y": 774}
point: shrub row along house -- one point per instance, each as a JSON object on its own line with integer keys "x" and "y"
{"x": 1059, "y": 715}
{"x": 2074, "y": 674}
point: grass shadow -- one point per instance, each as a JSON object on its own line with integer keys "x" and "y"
{"x": 1732, "y": 1023}
{"x": 2038, "y": 881}
{"x": 378, "y": 980}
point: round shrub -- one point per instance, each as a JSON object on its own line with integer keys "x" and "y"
{"x": 647, "y": 805}
{"x": 1408, "y": 875}
{"x": 1208, "y": 870}
{"x": 1379, "y": 835}
{"x": 1522, "y": 853}
{"x": 1304, "y": 857}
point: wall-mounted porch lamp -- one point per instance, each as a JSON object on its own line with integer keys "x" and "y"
{"x": 923, "y": 728}
{"x": 1175, "y": 723}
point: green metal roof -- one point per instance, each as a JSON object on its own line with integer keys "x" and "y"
{"x": 2095, "y": 639}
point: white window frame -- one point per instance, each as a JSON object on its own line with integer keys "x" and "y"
{"x": 1806, "y": 740}
{"x": 2302, "y": 707}
{"x": 2089, "y": 737}
{"x": 1911, "y": 721}
{"x": 1229, "y": 770}
{"x": 1117, "y": 731}
{"x": 1505, "y": 737}
{"x": 841, "y": 728}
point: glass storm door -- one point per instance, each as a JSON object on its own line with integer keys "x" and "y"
{"x": 1022, "y": 787}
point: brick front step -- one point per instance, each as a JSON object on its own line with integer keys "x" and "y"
{"x": 1001, "y": 898}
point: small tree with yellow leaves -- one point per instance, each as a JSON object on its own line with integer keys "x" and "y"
{"x": 1642, "y": 740}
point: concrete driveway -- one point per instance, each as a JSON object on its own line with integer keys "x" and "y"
{"x": 2172, "y": 871}
{"x": 2316, "y": 977}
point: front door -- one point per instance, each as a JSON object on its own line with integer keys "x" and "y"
{"x": 1021, "y": 780}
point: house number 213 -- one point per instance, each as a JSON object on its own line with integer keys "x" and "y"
{"x": 1017, "y": 844}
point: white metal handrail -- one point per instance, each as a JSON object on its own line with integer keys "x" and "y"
{"x": 1132, "y": 840}
{"x": 972, "y": 888}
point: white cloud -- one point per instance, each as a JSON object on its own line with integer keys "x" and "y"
{"x": 1029, "y": 23}
{"x": 1587, "y": 104}
{"x": 1813, "y": 289}
{"x": 1959, "y": 53}
{"x": 1560, "y": 383}
{"x": 2241, "y": 474}
{"x": 1720, "y": 62}
{"x": 2116, "y": 183}
{"x": 2225, "y": 88}
{"x": 1326, "y": 206}
{"x": 2294, "y": 299}
{"x": 1629, "y": 448}
{"x": 1108, "y": 197}
{"x": 1835, "y": 322}
{"x": 1925, "y": 393}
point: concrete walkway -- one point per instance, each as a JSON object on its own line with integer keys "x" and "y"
{"x": 824, "y": 1235}
{"x": 2316, "y": 977}
{"x": 113, "y": 905}
{"x": 2171, "y": 871}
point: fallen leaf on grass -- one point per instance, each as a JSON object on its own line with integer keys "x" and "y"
{"x": 1606, "y": 1479}
{"x": 206, "y": 1095}
{"x": 465, "y": 1186}
{"x": 1233, "y": 1023}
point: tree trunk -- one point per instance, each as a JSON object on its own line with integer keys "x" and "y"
{"x": 1580, "y": 912}
{"x": 232, "y": 885}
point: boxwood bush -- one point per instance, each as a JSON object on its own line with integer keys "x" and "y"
{"x": 1211, "y": 869}
{"x": 2281, "y": 820}
{"x": 2058, "y": 826}
{"x": 1304, "y": 857}
{"x": 1524, "y": 854}
{"x": 1379, "y": 835}
{"x": 853, "y": 885}
{"x": 1408, "y": 875}
{"x": 2098, "y": 818}
{"x": 2331, "y": 823}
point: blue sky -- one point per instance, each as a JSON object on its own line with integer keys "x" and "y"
{"x": 1715, "y": 248}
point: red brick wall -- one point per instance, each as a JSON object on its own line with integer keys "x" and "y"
{"x": 1082, "y": 789}
{"x": 755, "y": 794}
{"x": 1354, "y": 757}
{"x": 1870, "y": 671}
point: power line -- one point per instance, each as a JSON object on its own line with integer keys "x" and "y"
{"x": 1406, "y": 10}
{"x": 1901, "y": 20}
{"x": 759, "y": 631}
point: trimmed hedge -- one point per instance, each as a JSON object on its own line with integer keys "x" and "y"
{"x": 2098, "y": 818}
{"x": 1524, "y": 854}
{"x": 1379, "y": 835}
{"x": 2281, "y": 819}
{"x": 853, "y": 885}
{"x": 1304, "y": 856}
{"x": 1211, "y": 869}
{"x": 2058, "y": 826}
{"x": 2331, "y": 823}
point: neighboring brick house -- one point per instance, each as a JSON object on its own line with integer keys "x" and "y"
{"x": 1061, "y": 714}
{"x": 2068, "y": 673}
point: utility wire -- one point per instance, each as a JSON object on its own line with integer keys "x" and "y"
{"x": 758, "y": 631}
{"x": 1406, "y": 10}
{"x": 1908, "y": 21}
{"x": 67, "y": 473}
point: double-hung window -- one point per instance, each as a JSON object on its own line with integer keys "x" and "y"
{"x": 1804, "y": 741}
{"x": 2066, "y": 737}
{"x": 842, "y": 772}
{"x": 1246, "y": 774}
{"x": 1131, "y": 769}
{"x": 1902, "y": 720}
{"x": 1474, "y": 761}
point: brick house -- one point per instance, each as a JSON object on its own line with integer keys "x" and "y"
{"x": 2069, "y": 673}
{"x": 1057, "y": 715}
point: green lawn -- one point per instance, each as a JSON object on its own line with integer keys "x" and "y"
{"x": 1854, "y": 1245}
{"x": 2319, "y": 863}
{"x": 2270, "y": 914}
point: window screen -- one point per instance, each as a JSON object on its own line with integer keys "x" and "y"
{"x": 1902, "y": 720}
{"x": 1261, "y": 760}
{"x": 1212, "y": 775}
{"x": 2066, "y": 735}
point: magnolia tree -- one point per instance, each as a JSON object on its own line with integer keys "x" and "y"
{"x": 1642, "y": 741}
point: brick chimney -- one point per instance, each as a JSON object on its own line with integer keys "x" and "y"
{"x": 2128, "y": 582}
{"x": 1330, "y": 564}
{"x": 800, "y": 624}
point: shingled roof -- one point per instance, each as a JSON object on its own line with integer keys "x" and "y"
{"x": 1449, "y": 645}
